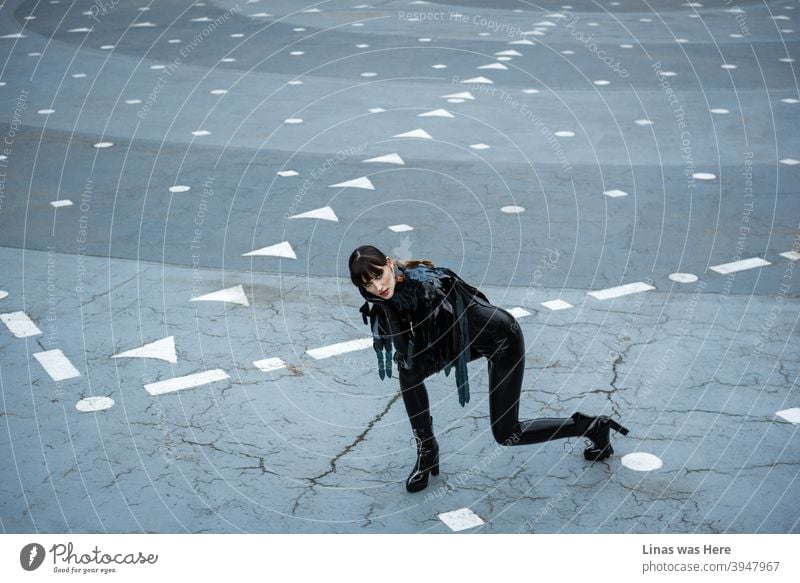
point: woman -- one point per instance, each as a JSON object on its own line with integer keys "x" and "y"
{"x": 437, "y": 321}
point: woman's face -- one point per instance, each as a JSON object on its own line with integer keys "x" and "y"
{"x": 383, "y": 286}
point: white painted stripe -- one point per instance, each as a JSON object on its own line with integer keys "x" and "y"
{"x": 163, "y": 349}
{"x": 90, "y": 404}
{"x": 61, "y": 202}
{"x": 742, "y": 265}
{"x": 269, "y": 364}
{"x": 401, "y": 228}
{"x": 621, "y": 290}
{"x": 340, "y": 348}
{"x": 519, "y": 312}
{"x": 19, "y": 324}
{"x": 461, "y": 519}
{"x": 791, "y": 255}
{"x": 557, "y": 305}
{"x": 56, "y": 365}
{"x": 186, "y": 382}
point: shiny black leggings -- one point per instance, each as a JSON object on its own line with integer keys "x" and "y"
{"x": 495, "y": 335}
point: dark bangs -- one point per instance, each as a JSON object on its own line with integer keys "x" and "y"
{"x": 366, "y": 263}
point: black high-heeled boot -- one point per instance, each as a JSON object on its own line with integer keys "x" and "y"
{"x": 427, "y": 458}
{"x": 597, "y": 429}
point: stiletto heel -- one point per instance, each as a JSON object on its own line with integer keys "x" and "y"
{"x": 597, "y": 429}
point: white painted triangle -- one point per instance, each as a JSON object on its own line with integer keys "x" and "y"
{"x": 163, "y": 349}
{"x": 478, "y": 80}
{"x": 325, "y": 213}
{"x": 414, "y": 134}
{"x": 461, "y": 95}
{"x": 500, "y": 66}
{"x": 362, "y": 182}
{"x": 231, "y": 295}
{"x": 387, "y": 159}
{"x": 436, "y": 113}
{"x": 279, "y": 250}
{"x": 509, "y": 53}
{"x": 524, "y": 41}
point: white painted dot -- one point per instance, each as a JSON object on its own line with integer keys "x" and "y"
{"x": 504, "y": 58}
{"x": 295, "y": 82}
{"x": 615, "y": 193}
{"x": 228, "y": 60}
{"x": 64, "y": 202}
{"x": 626, "y": 46}
{"x": 480, "y": 146}
{"x": 568, "y": 52}
{"x": 439, "y": 66}
{"x": 296, "y": 53}
{"x": 293, "y": 120}
{"x": 791, "y": 415}
{"x": 174, "y": 41}
{"x": 787, "y": 30}
{"x": 201, "y": 133}
{"x": 424, "y": 40}
{"x": 668, "y": 74}
{"x": 704, "y": 176}
{"x": 180, "y": 188}
{"x": 34, "y": 54}
{"x": 643, "y": 122}
{"x": 530, "y": 91}
{"x": 218, "y": 91}
{"x": 641, "y": 462}
{"x": 455, "y": 100}
{"x": 78, "y": 75}
{"x": 736, "y": 35}
{"x": 237, "y": 35}
{"x": 3, "y": 294}
{"x": 601, "y": 82}
{"x": 683, "y": 277}
{"x": 789, "y": 161}
{"x": 299, "y": 29}
{"x": 484, "y": 34}
{"x": 728, "y": 66}
{"x": 3, "y": 83}
{"x": 790, "y": 100}
{"x": 564, "y": 134}
{"x": 103, "y": 144}
{"x": 133, "y": 101}
{"x": 513, "y": 209}
{"x": 369, "y": 74}
{"x": 91, "y": 404}
{"x": 46, "y": 111}
{"x": 106, "y": 47}
{"x": 682, "y": 40}
{"x": 786, "y": 60}
{"x": 720, "y": 110}
{"x": 362, "y": 46}
{"x": 645, "y": 20}
{"x": 158, "y": 67}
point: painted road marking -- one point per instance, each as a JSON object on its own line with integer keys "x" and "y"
{"x": 742, "y": 265}
{"x": 186, "y": 382}
{"x": 56, "y": 365}
{"x": 340, "y": 348}
{"x": 621, "y": 290}
{"x": 19, "y": 324}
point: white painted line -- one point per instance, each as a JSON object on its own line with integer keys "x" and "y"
{"x": 789, "y": 161}
{"x": 163, "y": 349}
{"x": 19, "y": 324}
{"x": 179, "y": 188}
{"x": 287, "y": 173}
{"x": 387, "y": 159}
{"x": 232, "y": 295}
{"x": 269, "y": 364}
{"x": 621, "y": 290}
{"x": 512, "y": 209}
{"x": 615, "y": 193}
{"x": 791, "y": 255}
{"x": 704, "y": 176}
{"x": 90, "y": 404}
{"x": 557, "y": 305}
{"x": 791, "y": 415}
{"x": 283, "y": 249}
{"x": 187, "y": 382}
{"x": 564, "y": 134}
{"x": 325, "y": 213}
{"x": 396, "y": 228}
{"x": 61, "y": 202}
{"x": 376, "y": 110}
{"x": 362, "y": 182}
{"x": 340, "y": 348}
{"x": 56, "y": 365}
{"x": 436, "y": 113}
{"x": 641, "y": 462}
{"x": 461, "y": 519}
{"x": 418, "y": 133}
{"x": 519, "y": 312}
{"x": 480, "y": 146}
{"x": 751, "y": 263}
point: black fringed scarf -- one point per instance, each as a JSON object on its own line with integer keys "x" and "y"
{"x": 426, "y": 319}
